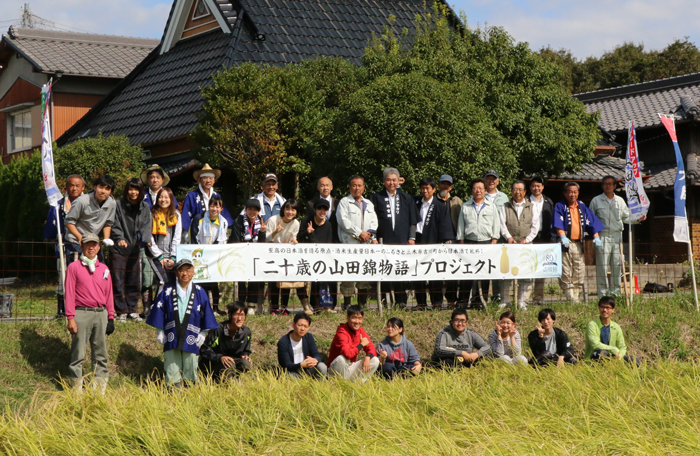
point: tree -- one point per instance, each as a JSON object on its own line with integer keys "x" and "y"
{"x": 90, "y": 157}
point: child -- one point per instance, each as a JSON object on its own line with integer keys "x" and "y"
{"x": 397, "y": 354}
{"x": 349, "y": 340}
{"x": 226, "y": 350}
{"x": 297, "y": 352}
{"x": 250, "y": 227}
{"x": 505, "y": 340}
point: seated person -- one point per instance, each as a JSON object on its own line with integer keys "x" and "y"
{"x": 505, "y": 340}
{"x": 397, "y": 354}
{"x": 455, "y": 343}
{"x": 604, "y": 338}
{"x": 549, "y": 344}
{"x": 297, "y": 352}
{"x": 226, "y": 350}
{"x": 350, "y": 339}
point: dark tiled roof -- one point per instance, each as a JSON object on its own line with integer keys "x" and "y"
{"x": 81, "y": 54}
{"x": 641, "y": 102}
{"x": 663, "y": 175}
{"x": 161, "y": 98}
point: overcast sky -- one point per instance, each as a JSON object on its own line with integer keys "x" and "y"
{"x": 586, "y": 28}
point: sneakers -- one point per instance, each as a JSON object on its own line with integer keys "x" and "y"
{"x": 121, "y": 318}
{"x": 251, "y": 310}
{"x": 134, "y": 316}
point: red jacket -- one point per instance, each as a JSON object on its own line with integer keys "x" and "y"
{"x": 347, "y": 343}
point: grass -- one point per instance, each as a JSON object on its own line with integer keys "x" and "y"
{"x": 495, "y": 409}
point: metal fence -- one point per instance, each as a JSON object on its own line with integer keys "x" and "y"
{"x": 29, "y": 284}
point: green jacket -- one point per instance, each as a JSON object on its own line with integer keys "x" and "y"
{"x": 593, "y": 343}
{"x": 478, "y": 226}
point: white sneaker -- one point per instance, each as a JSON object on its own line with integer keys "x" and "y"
{"x": 503, "y": 305}
{"x": 251, "y": 310}
{"x": 134, "y": 316}
{"x": 523, "y": 306}
{"x": 121, "y": 318}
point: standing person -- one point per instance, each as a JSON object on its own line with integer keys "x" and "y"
{"x": 505, "y": 340}
{"x": 454, "y": 205}
{"x": 197, "y": 201}
{"x": 397, "y": 217}
{"x": 132, "y": 228}
{"x": 283, "y": 228}
{"x": 75, "y": 185}
{"x": 572, "y": 221}
{"x": 350, "y": 339}
{"x": 270, "y": 201}
{"x": 166, "y": 231}
{"x": 297, "y": 353}
{"x": 397, "y": 354}
{"x": 210, "y": 228}
{"x": 498, "y": 198}
{"x": 183, "y": 318}
{"x": 548, "y": 343}
{"x": 545, "y": 207}
{"x": 604, "y": 337}
{"x": 317, "y": 230}
{"x": 250, "y": 227}
{"x": 613, "y": 213}
{"x": 325, "y": 187}
{"x": 92, "y": 213}
{"x": 455, "y": 343}
{"x": 479, "y": 223}
{"x": 520, "y": 224}
{"x": 154, "y": 178}
{"x": 434, "y": 227}
{"x": 357, "y": 224}
{"x": 226, "y": 350}
{"x": 90, "y": 312}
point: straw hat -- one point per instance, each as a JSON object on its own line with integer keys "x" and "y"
{"x": 147, "y": 171}
{"x": 207, "y": 169}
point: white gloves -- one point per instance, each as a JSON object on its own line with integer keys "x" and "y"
{"x": 108, "y": 242}
{"x": 161, "y": 338}
{"x": 200, "y": 340}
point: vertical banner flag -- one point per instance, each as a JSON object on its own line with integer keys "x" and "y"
{"x": 52, "y": 192}
{"x": 680, "y": 226}
{"x": 636, "y": 197}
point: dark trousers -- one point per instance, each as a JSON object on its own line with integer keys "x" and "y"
{"x": 454, "y": 362}
{"x": 219, "y": 372}
{"x": 391, "y": 370}
{"x": 432, "y": 287}
{"x": 126, "y": 280}
{"x": 451, "y": 290}
{"x": 399, "y": 289}
{"x": 468, "y": 288}
{"x": 248, "y": 291}
{"x": 275, "y": 292}
{"x": 600, "y": 355}
{"x": 546, "y": 358}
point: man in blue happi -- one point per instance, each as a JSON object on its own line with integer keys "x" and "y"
{"x": 572, "y": 221}
{"x": 197, "y": 201}
{"x": 183, "y": 317}
{"x": 75, "y": 185}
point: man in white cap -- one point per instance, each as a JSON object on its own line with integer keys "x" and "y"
{"x": 270, "y": 201}
{"x": 197, "y": 201}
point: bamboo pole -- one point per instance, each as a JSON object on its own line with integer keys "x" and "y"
{"x": 624, "y": 275}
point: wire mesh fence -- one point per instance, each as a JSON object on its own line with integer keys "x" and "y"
{"x": 29, "y": 286}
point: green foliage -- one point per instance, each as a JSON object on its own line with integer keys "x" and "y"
{"x": 455, "y": 100}
{"x": 90, "y": 157}
{"x": 628, "y": 63}
{"x": 23, "y": 205}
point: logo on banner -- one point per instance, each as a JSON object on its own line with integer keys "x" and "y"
{"x": 550, "y": 261}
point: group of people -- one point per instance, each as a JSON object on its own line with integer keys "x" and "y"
{"x": 143, "y": 229}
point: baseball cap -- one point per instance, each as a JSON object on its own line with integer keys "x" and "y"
{"x": 270, "y": 176}
{"x": 446, "y": 178}
{"x": 90, "y": 237}
{"x": 183, "y": 262}
{"x": 492, "y": 172}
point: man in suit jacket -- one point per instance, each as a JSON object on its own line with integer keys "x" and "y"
{"x": 544, "y": 206}
{"x": 397, "y": 216}
{"x": 434, "y": 227}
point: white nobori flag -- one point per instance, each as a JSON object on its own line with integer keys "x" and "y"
{"x": 53, "y": 194}
{"x": 636, "y": 197}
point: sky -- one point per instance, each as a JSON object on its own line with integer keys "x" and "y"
{"x": 587, "y": 28}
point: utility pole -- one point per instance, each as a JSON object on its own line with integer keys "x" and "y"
{"x": 27, "y": 18}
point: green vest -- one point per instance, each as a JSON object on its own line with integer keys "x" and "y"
{"x": 519, "y": 228}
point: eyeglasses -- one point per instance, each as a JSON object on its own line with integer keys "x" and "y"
{"x": 459, "y": 321}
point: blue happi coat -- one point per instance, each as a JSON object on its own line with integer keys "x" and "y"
{"x": 163, "y": 316}
{"x": 193, "y": 206}
{"x": 590, "y": 224}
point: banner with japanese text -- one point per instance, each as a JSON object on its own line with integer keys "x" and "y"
{"x": 53, "y": 193}
{"x": 634, "y": 186}
{"x": 680, "y": 225}
{"x": 267, "y": 262}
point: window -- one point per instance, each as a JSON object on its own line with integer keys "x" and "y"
{"x": 20, "y": 130}
{"x": 200, "y": 10}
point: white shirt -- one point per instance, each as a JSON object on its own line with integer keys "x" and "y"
{"x": 184, "y": 294}
{"x": 491, "y": 196}
{"x": 423, "y": 212}
{"x": 478, "y": 207}
{"x": 392, "y": 205}
{"x": 206, "y": 196}
{"x": 534, "y": 228}
{"x": 153, "y": 196}
{"x": 538, "y": 204}
{"x": 298, "y": 350}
